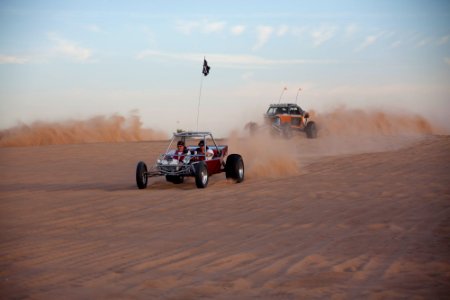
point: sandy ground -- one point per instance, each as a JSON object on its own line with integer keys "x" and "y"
{"x": 313, "y": 219}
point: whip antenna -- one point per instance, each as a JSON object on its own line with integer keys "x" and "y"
{"x": 299, "y": 89}
{"x": 205, "y": 72}
{"x": 282, "y": 92}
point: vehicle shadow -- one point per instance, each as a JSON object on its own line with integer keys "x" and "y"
{"x": 188, "y": 184}
{"x": 57, "y": 187}
{"x": 159, "y": 184}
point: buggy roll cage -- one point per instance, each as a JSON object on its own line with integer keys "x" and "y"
{"x": 201, "y": 135}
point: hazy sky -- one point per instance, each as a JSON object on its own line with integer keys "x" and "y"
{"x": 75, "y": 59}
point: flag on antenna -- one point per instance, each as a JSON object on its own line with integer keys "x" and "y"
{"x": 205, "y": 67}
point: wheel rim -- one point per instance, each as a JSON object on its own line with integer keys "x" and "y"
{"x": 144, "y": 178}
{"x": 204, "y": 176}
{"x": 241, "y": 171}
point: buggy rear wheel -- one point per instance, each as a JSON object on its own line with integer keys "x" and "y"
{"x": 311, "y": 130}
{"x": 141, "y": 175}
{"x": 234, "y": 168}
{"x": 201, "y": 175}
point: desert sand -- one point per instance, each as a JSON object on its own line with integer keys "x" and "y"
{"x": 337, "y": 217}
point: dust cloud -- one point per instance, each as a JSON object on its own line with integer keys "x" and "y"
{"x": 340, "y": 132}
{"x": 265, "y": 155}
{"x": 115, "y": 128}
{"x": 343, "y": 121}
{"x": 352, "y": 131}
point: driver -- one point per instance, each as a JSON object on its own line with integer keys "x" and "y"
{"x": 181, "y": 151}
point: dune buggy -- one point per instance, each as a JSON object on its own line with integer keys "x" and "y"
{"x": 286, "y": 118}
{"x": 175, "y": 165}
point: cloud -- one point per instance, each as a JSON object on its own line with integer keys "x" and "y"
{"x": 247, "y": 75}
{"x": 70, "y": 48}
{"x": 396, "y": 44}
{"x": 12, "y": 59}
{"x": 186, "y": 27}
{"x": 228, "y": 61}
{"x": 282, "y": 30}
{"x": 447, "y": 60}
{"x": 444, "y": 40}
{"x": 263, "y": 36}
{"x": 423, "y": 42}
{"x": 388, "y": 34}
{"x": 210, "y": 27}
{"x": 148, "y": 34}
{"x": 94, "y": 28}
{"x": 350, "y": 30}
{"x": 298, "y": 31}
{"x": 368, "y": 41}
{"x": 323, "y": 34}
{"x": 237, "y": 30}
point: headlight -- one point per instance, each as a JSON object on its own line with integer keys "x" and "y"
{"x": 277, "y": 121}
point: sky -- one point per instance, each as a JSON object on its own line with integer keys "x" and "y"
{"x": 62, "y": 60}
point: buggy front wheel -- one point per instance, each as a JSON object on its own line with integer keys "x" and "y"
{"x": 201, "y": 175}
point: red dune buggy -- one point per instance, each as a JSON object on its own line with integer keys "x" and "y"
{"x": 189, "y": 159}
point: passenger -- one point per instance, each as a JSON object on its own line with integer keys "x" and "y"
{"x": 201, "y": 150}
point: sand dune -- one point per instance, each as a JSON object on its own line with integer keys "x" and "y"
{"x": 348, "y": 218}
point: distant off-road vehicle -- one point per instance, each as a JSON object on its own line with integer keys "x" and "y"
{"x": 288, "y": 117}
{"x": 194, "y": 154}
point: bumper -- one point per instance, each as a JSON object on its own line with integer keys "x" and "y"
{"x": 172, "y": 170}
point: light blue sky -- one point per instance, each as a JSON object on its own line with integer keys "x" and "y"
{"x": 75, "y": 59}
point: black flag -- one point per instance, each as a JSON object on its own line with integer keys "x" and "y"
{"x": 205, "y": 67}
